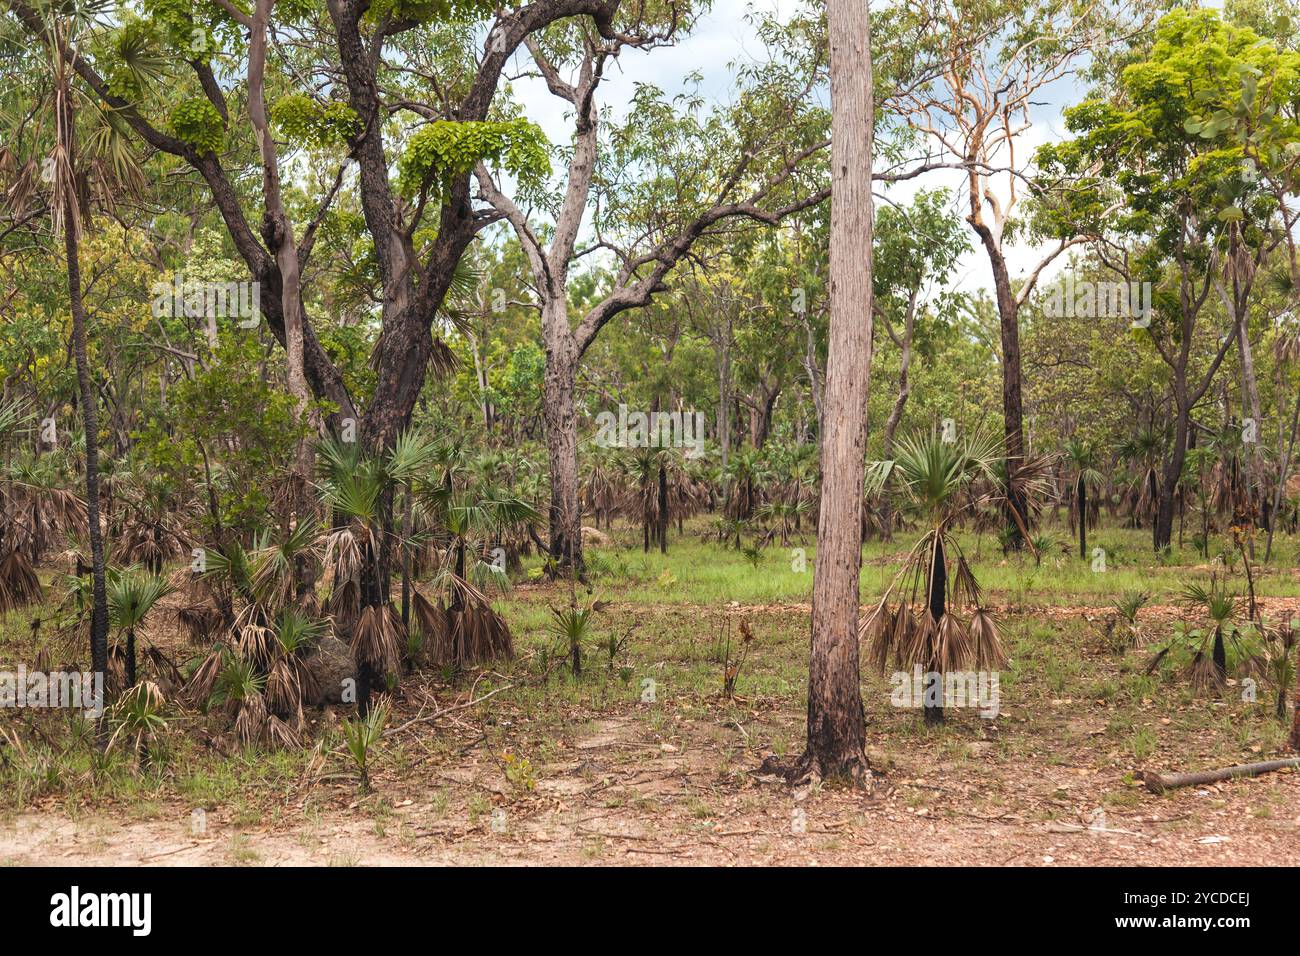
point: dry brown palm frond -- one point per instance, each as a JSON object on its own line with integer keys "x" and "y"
{"x": 479, "y": 634}
{"x": 342, "y": 557}
{"x": 199, "y": 621}
{"x": 877, "y": 632}
{"x": 906, "y": 628}
{"x": 280, "y": 733}
{"x": 431, "y": 621}
{"x": 952, "y": 644}
{"x": 169, "y": 675}
{"x": 1202, "y": 672}
{"x": 115, "y": 678}
{"x": 377, "y": 639}
{"x": 989, "y": 654}
{"x": 918, "y": 648}
{"x": 63, "y": 508}
{"x": 965, "y": 589}
{"x": 203, "y": 681}
{"x": 283, "y": 688}
{"x": 251, "y": 721}
{"x": 344, "y": 604}
{"x": 254, "y": 642}
{"x": 19, "y": 585}
{"x": 1154, "y": 663}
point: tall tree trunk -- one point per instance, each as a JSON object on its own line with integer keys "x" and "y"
{"x": 1081, "y": 504}
{"x": 99, "y": 593}
{"x": 1012, "y": 403}
{"x": 836, "y": 724}
{"x": 663, "y": 509}
{"x": 1163, "y": 529}
{"x": 561, "y": 435}
{"x": 723, "y": 345}
{"x": 1282, "y": 472}
{"x": 936, "y": 602}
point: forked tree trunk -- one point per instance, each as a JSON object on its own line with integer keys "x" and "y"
{"x": 836, "y": 725}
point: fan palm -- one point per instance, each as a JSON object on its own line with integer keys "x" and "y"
{"x": 1082, "y": 461}
{"x": 926, "y": 626}
{"x": 1220, "y": 606}
{"x": 464, "y": 627}
{"x": 78, "y": 164}
{"x": 132, "y": 595}
{"x": 1142, "y": 452}
{"x": 354, "y": 486}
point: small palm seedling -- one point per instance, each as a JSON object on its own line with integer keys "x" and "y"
{"x": 1207, "y": 665}
{"x": 238, "y": 689}
{"x": 289, "y": 682}
{"x": 1279, "y": 642}
{"x": 572, "y": 626}
{"x": 1122, "y": 627}
{"x": 939, "y": 620}
{"x": 137, "y": 719}
{"x": 1044, "y": 542}
{"x": 361, "y": 735}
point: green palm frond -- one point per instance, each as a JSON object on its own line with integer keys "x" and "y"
{"x": 132, "y": 595}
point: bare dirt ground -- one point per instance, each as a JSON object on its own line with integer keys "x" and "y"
{"x": 628, "y": 796}
{"x": 579, "y": 773}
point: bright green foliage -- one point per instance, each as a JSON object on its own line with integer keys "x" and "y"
{"x": 197, "y": 123}
{"x": 1188, "y": 122}
{"x": 445, "y": 149}
{"x": 425, "y": 11}
{"x": 303, "y": 119}
{"x": 133, "y": 62}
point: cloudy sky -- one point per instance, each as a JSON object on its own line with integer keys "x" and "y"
{"x": 723, "y": 38}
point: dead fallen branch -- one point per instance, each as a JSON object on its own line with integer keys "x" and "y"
{"x": 424, "y": 719}
{"x": 1160, "y": 782}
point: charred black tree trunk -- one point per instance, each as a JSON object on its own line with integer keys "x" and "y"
{"x": 86, "y": 391}
{"x": 1081, "y": 503}
{"x": 663, "y": 510}
{"x": 936, "y": 602}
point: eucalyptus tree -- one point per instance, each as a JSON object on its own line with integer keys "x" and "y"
{"x": 399, "y": 98}
{"x": 1188, "y": 192}
{"x": 1000, "y": 57}
{"x": 673, "y": 173}
{"x": 836, "y": 742}
{"x": 918, "y": 247}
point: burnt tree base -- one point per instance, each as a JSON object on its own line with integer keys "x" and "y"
{"x": 853, "y": 772}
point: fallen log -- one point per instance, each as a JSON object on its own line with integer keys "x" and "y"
{"x": 1160, "y": 782}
